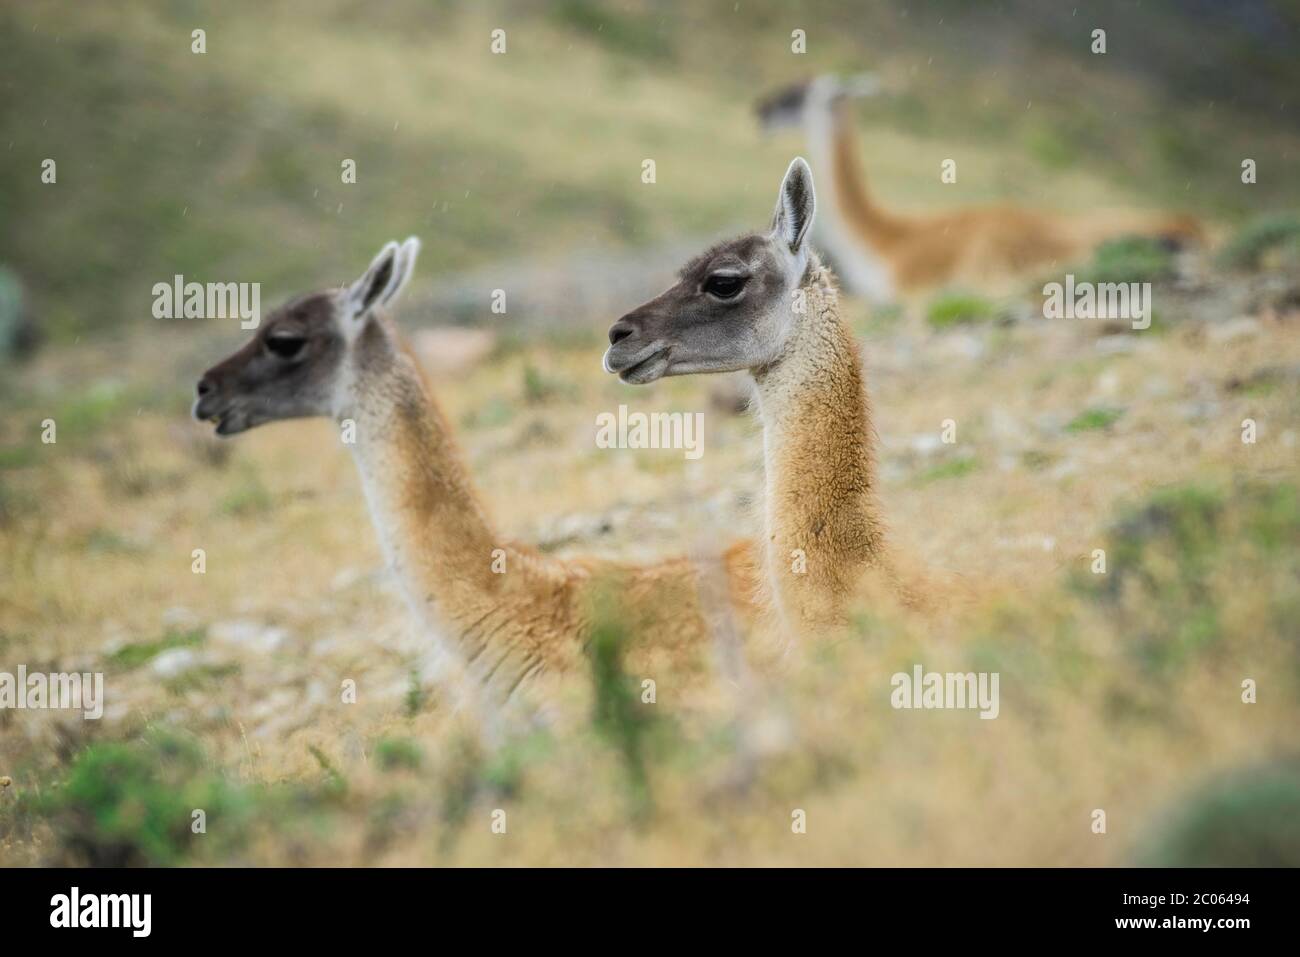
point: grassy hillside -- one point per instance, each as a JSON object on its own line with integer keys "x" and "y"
{"x": 1121, "y": 691}
{"x": 227, "y": 165}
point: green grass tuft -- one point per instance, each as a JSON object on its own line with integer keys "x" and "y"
{"x": 96, "y": 408}
{"x": 18, "y": 456}
{"x": 1091, "y": 420}
{"x": 142, "y": 652}
{"x": 954, "y": 309}
{"x": 618, "y": 715}
{"x": 202, "y": 678}
{"x": 957, "y": 468}
{"x": 392, "y": 754}
{"x": 415, "y": 698}
{"x": 336, "y": 783}
{"x": 249, "y": 497}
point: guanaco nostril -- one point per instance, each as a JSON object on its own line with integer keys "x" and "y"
{"x": 204, "y": 387}
{"x": 618, "y": 332}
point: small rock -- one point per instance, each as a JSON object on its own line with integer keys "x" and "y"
{"x": 963, "y": 345}
{"x": 1006, "y": 428}
{"x": 1106, "y": 386}
{"x": 1050, "y": 422}
{"x": 1156, "y": 388}
{"x": 248, "y": 634}
{"x": 1115, "y": 344}
{"x": 1198, "y": 410}
{"x": 175, "y": 662}
{"x": 925, "y": 443}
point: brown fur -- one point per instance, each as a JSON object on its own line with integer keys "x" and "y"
{"x": 337, "y": 354}
{"x": 535, "y": 617}
{"x": 763, "y": 302}
{"x": 977, "y": 244}
{"x": 821, "y": 495}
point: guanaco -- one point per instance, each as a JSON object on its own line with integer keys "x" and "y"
{"x": 763, "y": 302}
{"x": 504, "y": 612}
{"x": 879, "y": 254}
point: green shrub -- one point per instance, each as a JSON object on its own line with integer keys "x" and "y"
{"x": 1247, "y": 249}
{"x": 1251, "y": 819}
{"x": 1128, "y": 259}
{"x": 630, "y": 34}
{"x": 1171, "y": 560}
{"x": 132, "y": 804}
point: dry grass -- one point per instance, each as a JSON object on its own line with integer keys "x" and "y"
{"x": 92, "y": 563}
{"x": 223, "y": 688}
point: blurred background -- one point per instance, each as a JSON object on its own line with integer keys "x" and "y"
{"x": 522, "y": 171}
{"x": 172, "y": 162}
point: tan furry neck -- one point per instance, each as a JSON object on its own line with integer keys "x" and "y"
{"x": 501, "y": 611}
{"x": 878, "y": 227}
{"x": 823, "y": 524}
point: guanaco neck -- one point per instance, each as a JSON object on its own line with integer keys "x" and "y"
{"x": 851, "y": 227}
{"x": 434, "y": 531}
{"x": 823, "y": 523}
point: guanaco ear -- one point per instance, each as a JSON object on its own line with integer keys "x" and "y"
{"x": 405, "y": 265}
{"x": 795, "y": 206}
{"x": 371, "y": 288}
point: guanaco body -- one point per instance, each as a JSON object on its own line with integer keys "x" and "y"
{"x": 880, "y": 254}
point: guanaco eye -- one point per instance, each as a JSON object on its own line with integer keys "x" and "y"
{"x": 724, "y": 287}
{"x": 286, "y": 347}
